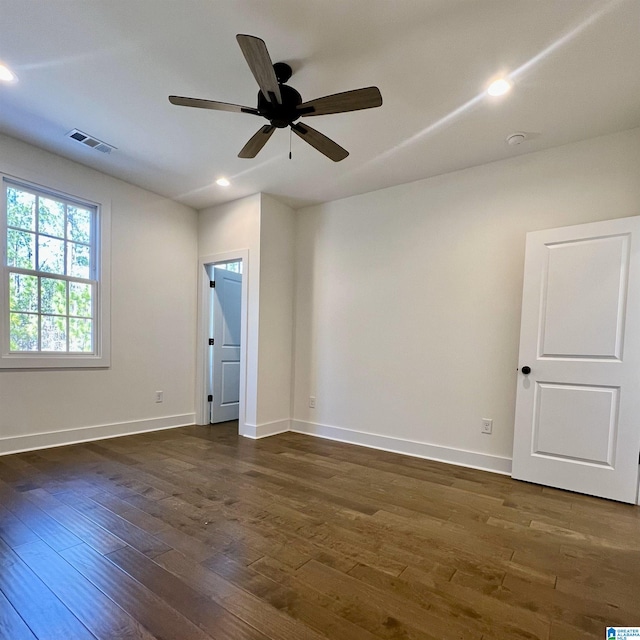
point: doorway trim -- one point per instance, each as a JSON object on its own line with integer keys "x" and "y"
{"x": 204, "y": 312}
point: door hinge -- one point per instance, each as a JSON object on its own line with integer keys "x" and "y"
{"x": 212, "y": 284}
{"x": 211, "y": 341}
{"x": 209, "y": 398}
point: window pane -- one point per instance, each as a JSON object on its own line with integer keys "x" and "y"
{"x": 54, "y": 333}
{"x": 53, "y": 296}
{"x": 21, "y": 249}
{"x": 78, "y": 260}
{"x": 23, "y": 332}
{"x": 80, "y": 335}
{"x": 80, "y": 299}
{"x": 50, "y": 255}
{"x": 21, "y": 209}
{"x": 78, "y": 224}
{"x": 236, "y": 267}
{"x": 23, "y": 292}
{"x": 51, "y": 217}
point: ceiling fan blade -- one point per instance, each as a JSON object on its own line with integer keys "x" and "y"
{"x": 257, "y": 141}
{"x": 324, "y": 145}
{"x": 259, "y": 61}
{"x": 183, "y": 101}
{"x": 340, "y": 102}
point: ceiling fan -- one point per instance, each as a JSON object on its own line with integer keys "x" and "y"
{"x": 282, "y": 105}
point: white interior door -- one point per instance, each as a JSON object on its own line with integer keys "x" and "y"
{"x": 578, "y": 410}
{"x": 225, "y": 358}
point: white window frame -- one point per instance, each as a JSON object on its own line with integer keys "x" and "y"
{"x": 101, "y": 355}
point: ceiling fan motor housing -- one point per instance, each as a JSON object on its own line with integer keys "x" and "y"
{"x": 281, "y": 115}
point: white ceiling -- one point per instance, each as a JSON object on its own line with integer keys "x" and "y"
{"x": 107, "y": 66}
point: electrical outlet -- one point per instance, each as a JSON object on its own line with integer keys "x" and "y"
{"x": 487, "y": 425}
{"x": 159, "y": 396}
{"x": 312, "y": 402}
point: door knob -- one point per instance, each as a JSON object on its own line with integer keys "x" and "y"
{"x": 526, "y": 370}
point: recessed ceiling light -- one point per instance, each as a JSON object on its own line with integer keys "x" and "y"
{"x": 223, "y": 182}
{"x": 6, "y": 75}
{"x": 499, "y": 87}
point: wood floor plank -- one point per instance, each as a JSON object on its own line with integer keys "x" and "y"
{"x": 202, "y": 611}
{"x": 450, "y": 600}
{"x": 96, "y": 611}
{"x": 88, "y": 531}
{"x": 253, "y": 610}
{"x": 288, "y": 595}
{"x": 188, "y": 534}
{"x": 197, "y": 533}
{"x": 139, "y": 602}
{"x": 41, "y": 610}
{"x": 379, "y": 609}
{"x": 10, "y": 473}
{"x": 13, "y": 531}
{"x": 12, "y": 626}
{"x": 112, "y": 522}
{"x": 580, "y": 612}
{"x": 129, "y": 513}
{"x": 41, "y": 523}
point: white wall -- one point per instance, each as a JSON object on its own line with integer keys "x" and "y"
{"x": 265, "y": 228}
{"x": 276, "y": 315}
{"x": 408, "y": 299}
{"x": 232, "y": 227}
{"x": 153, "y": 319}
{"x": 407, "y": 303}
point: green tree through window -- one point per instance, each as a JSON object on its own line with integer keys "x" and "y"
{"x": 51, "y": 271}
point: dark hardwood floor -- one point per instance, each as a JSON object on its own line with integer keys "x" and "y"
{"x": 195, "y": 533}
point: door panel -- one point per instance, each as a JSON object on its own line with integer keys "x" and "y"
{"x": 231, "y": 289}
{"x": 230, "y": 383}
{"x": 578, "y": 411}
{"x": 578, "y": 294}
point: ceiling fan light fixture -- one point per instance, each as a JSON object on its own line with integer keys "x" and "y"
{"x": 282, "y": 105}
{"x": 499, "y": 87}
{"x": 6, "y": 75}
{"x": 222, "y": 182}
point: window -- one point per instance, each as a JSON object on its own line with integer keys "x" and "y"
{"x": 235, "y": 266}
{"x": 50, "y": 279}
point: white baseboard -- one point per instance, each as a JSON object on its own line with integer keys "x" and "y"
{"x": 30, "y": 442}
{"x": 486, "y": 462}
{"x": 256, "y": 431}
{"x": 460, "y": 457}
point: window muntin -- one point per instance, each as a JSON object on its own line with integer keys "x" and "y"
{"x": 50, "y": 272}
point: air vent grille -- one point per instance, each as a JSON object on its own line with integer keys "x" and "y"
{"x": 90, "y": 141}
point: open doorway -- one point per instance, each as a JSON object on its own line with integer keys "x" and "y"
{"x": 221, "y": 379}
{"x": 223, "y": 361}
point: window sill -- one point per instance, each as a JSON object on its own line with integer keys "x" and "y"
{"x": 53, "y": 361}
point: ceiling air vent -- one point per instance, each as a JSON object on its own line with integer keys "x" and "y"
{"x": 90, "y": 141}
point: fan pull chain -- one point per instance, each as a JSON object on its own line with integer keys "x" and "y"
{"x": 290, "y": 135}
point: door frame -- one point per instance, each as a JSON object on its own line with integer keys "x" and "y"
{"x": 204, "y": 319}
